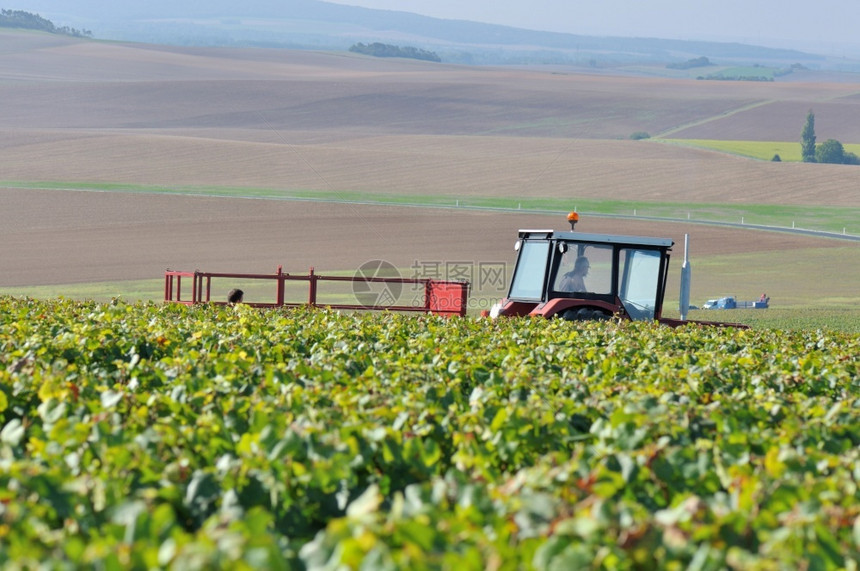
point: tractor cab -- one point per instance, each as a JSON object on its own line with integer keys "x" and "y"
{"x": 580, "y": 276}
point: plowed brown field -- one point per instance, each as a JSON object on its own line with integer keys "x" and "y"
{"x": 95, "y": 113}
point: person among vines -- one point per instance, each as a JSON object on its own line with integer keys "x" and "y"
{"x": 235, "y": 296}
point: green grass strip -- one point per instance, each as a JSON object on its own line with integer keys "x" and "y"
{"x": 821, "y": 218}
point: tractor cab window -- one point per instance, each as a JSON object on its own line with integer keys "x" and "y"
{"x": 584, "y": 268}
{"x": 530, "y": 272}
{"x": 639, "y": 278}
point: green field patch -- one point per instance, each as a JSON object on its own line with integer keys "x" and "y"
{"x": 761, "y": 150}
{"x": 844, "y": 316}
{"x": 129, "y": 290}
{"x": 740, "y": 73}
{"x": 844, "y": 319}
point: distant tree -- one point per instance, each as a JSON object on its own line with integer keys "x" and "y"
{"x": 776, "y": 158}
{"x": 638, "y": 135}
{"x": 377, "y": 49}
{"x": 807, "y": 139}
{"x": 691, "y": 63}
{"x": 830, "y": 151}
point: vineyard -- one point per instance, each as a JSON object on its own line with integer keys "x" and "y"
{"x": 148, "y": 435}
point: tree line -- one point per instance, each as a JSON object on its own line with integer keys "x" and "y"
{"x": 691, "y": 63}
{"x": 386, "y": 50}
{"x": 830, "y": 151}
{"x": 29, "y": 21}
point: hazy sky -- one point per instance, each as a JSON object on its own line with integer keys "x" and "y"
{"x": 779, "y": 23}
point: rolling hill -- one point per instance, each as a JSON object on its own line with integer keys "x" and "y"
{"x": 288, "y": 119}
{"x": 322, "y": 25}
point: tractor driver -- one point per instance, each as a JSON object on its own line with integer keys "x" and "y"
{"x": 574, "y": 280}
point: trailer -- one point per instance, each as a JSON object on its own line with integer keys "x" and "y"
{"x": 370, "y": 292}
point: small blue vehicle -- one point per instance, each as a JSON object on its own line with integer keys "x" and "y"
{"x": 729, "y": 302}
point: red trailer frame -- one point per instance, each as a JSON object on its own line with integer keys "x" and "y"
{"x": 440, "y": 297}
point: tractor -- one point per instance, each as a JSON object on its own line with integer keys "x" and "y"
{"x": 585, "y": 277}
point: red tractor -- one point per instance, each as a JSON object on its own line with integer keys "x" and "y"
{"x": 579, "y": 277}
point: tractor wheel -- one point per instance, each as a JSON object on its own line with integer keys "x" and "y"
{"x": 585, "y": 314}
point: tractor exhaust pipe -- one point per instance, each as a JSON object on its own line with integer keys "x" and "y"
{"x": 686, "y": 277}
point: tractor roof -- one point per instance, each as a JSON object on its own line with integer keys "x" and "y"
{"x": 596, "y": 238}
